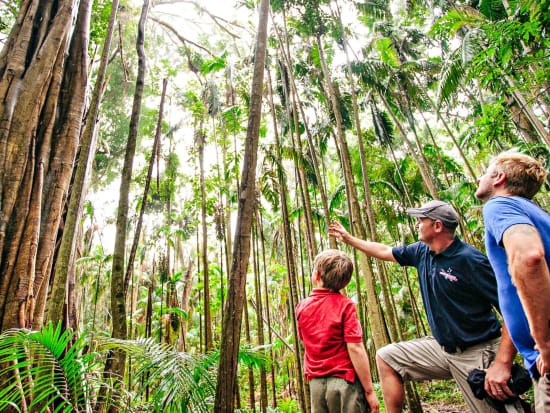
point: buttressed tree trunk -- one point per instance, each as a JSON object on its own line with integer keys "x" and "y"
{"x": 42, "y": 97}
{"x": 232, "y": 319}
{"x": 65, "y": 258}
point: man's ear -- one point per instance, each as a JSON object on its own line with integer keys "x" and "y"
{"x": 438, "y": 226}
{"x": 500, "y": 179}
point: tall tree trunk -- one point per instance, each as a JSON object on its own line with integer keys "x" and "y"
{"x": 311, "y": 145}
{"x": 184, "y": 305}
{"x": 201, "y": 138}
{"x": 289, "y": 260}
{"x": 426, "y": 178}
{"x": 267, "y": 305}
{"x": 137, "y": 233}
{"x": 374, "y": 310}
{"x": 384, "y": 280}
{"x": 78, "y": 191}
{"x": 301, "y": 181}
{"x": 118, "y": 303}
{"x": 251, "y": 385}
{"x": 259, "y": 311}
{"x": 229, "y": 348}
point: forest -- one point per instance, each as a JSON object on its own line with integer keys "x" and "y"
{"x": 169, "y": 170}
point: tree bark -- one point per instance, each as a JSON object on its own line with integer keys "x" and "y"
{"x": 78, "y": 190}
{"x": 154, "y": 150}
{"x": 118, "y": 303}
{"x": 42, "y": 91}
{"x": 259, "y": 312}
{"x": 204, "y": 252}
{"x": 232, "y": 320}
{"x": 380, "y": 335}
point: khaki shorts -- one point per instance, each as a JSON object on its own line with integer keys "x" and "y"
{"x": 424, "y": 359}
{"x": 337, "y": 395}
{"x": 542, "y": 394}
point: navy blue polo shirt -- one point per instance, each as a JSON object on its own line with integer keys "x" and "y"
{"x": 459, "y": 291}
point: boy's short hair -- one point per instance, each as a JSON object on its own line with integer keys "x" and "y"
{"x": 524, "y": 174}
{"x": 335, "y": 268}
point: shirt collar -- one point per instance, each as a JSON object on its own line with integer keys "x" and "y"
{"x": 322, "y": 291}
{"x": 450, "y": 250}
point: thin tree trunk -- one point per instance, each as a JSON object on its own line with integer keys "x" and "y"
{"x": 259, "y": 312}
{"x": 251, "y": 385}
{"x": 229, "y": 348}
{"x": 137, "y": 233}
{"x": 204, "y": 251}
{"x": 289, "y": 260}
{"x": 428, "y": 182}
{"x": 537, "y": 124}
{"x": 118, "y": 303}
{"x": 187, "y": 279}
{"x": 384, "y": 281}
{"x": 376, "y": 318}
{"x": 266, "y": 301}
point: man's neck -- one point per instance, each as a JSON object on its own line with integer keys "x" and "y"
{"x": 440, "y": 244}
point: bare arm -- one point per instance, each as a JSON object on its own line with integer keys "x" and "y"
{"x": 498, "y": 374}
{"x": 360, "y": 362}
{"x": 529, "y": 271}
{"x": 373, "y": 249}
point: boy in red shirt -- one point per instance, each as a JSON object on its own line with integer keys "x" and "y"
{"x": 335, "y": 362}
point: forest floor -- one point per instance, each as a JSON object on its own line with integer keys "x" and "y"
{"x": 441, "y": 396}
{"x": 444, "y": 407}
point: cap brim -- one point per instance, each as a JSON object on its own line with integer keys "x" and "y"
{"x": 416, "y": 212}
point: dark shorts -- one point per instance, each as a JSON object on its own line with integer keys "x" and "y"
{"x": 336, "y": 395}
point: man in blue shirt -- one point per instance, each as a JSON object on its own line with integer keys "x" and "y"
{"x": 518, "y": 245}
{"x": 459, "y": 291}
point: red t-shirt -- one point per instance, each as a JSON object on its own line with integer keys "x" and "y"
{"x": 326, "y": 322}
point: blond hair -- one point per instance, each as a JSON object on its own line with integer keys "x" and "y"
{"x": 524, "y": 174}
{"x": 335, "y": 268}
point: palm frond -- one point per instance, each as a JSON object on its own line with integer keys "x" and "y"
{"x": 178, "y": 381}
{"x": 337, "y": 196}
{"x": 376, "y": 10}
{"x": 456, "y": 19}
{"x": 493, "y": 9}
{"x": 383, "y": 127}
{"x": 46, "y": 369}
{"x": 451, "y": 76}
{"x": 471, "y": 45}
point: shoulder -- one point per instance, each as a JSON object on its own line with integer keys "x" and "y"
{"x": 502, "y": 212}
{"x": 469, "y": 255}
{"x": 502, "y": 204}
{"x": 418, "y": 247}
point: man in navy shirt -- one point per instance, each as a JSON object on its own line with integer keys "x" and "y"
{"x": 518, "y": 244}
{"x": 459, "y": 292}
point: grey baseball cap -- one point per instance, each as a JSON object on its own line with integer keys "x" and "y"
{"x": 438, "y": 211}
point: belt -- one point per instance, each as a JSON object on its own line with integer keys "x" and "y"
{"x": 460, "y": 349}
{"x": 454, "y": 349}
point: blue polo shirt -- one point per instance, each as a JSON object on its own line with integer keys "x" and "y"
{"x": 500, "y": 213}
{"x": 459, "y": 291}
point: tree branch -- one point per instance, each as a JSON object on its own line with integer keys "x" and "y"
{"x": 215, "y": 19}
{"x": 180, "y": 37}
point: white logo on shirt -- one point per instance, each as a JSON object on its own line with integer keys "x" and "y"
{"x": 447, "y": 274}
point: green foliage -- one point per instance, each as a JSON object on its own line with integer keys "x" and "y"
{"x": 214, "y": 65}
{"x": 49, "y": 367}
{"x": 8, "y": 13}
{"x": 101, "y": 13}
{"x": 179, "y": 382}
